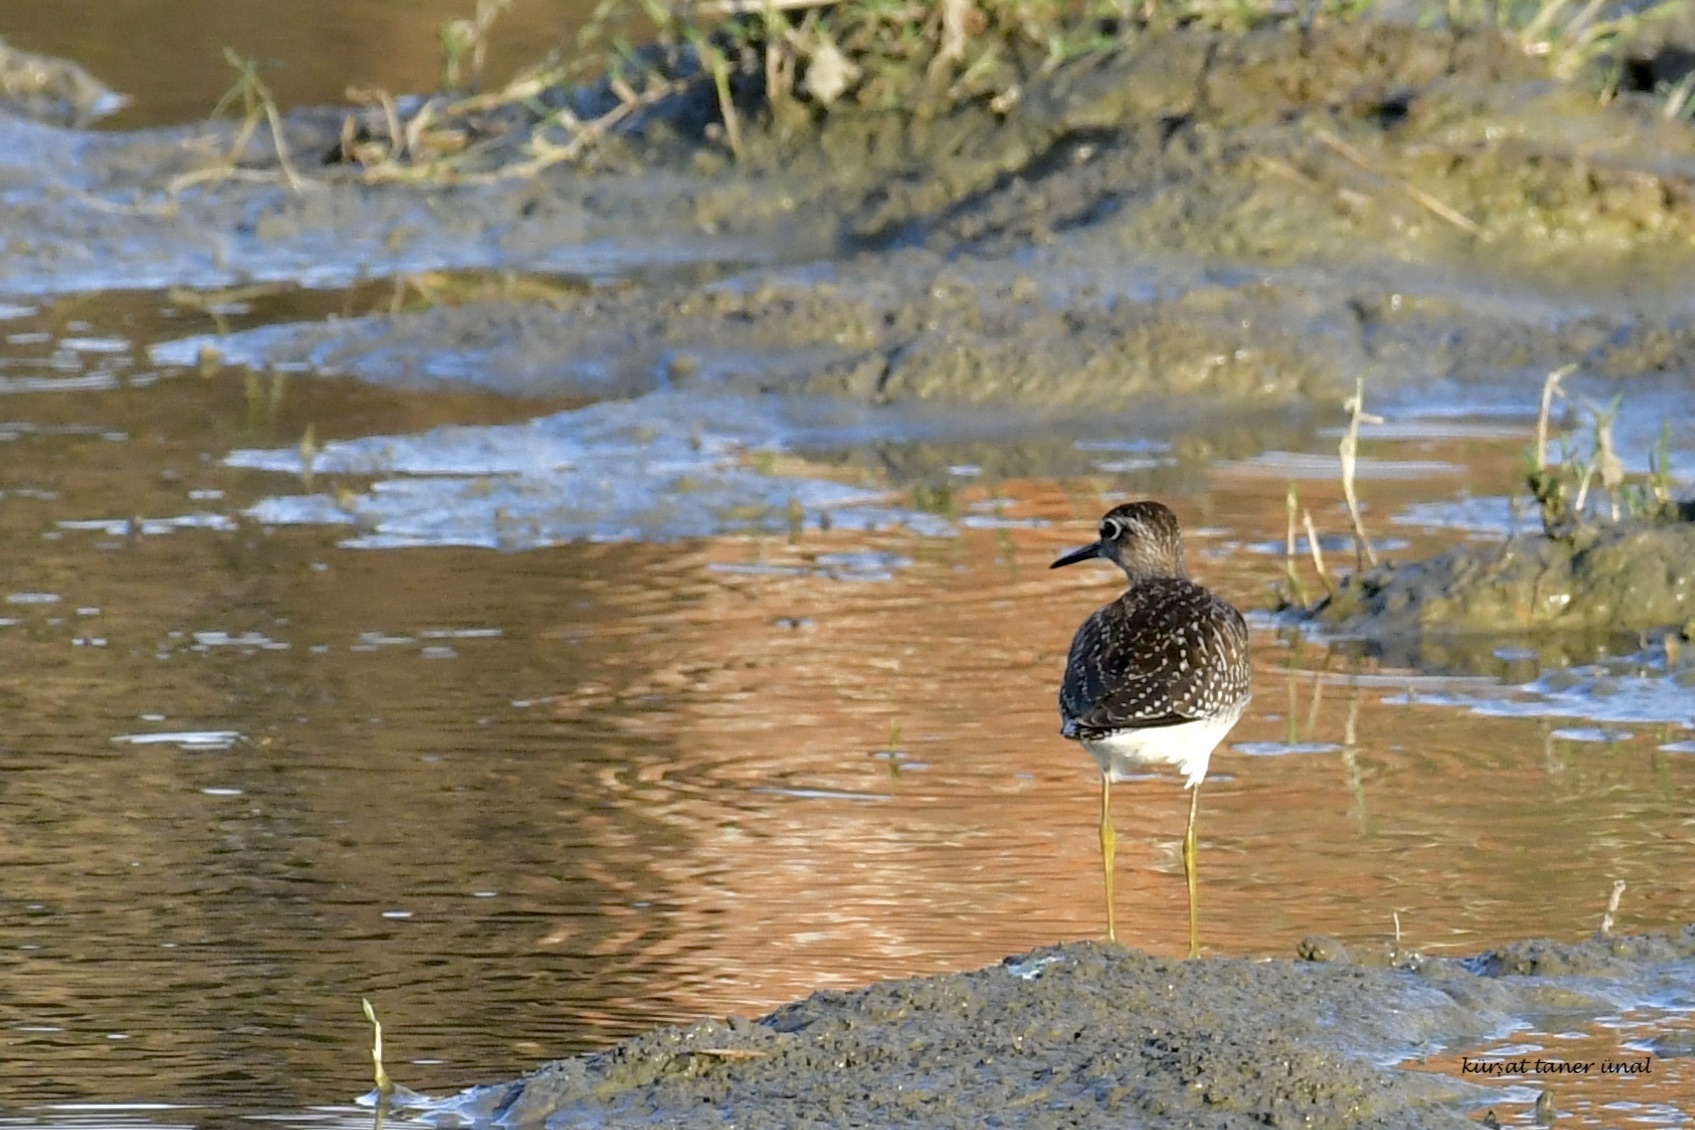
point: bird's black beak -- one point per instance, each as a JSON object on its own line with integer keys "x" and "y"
{"x": 1085, "y": 553}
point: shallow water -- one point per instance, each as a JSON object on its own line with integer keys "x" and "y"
{"x": 530, "y": 802}
{"x": 1626, "y": 1069}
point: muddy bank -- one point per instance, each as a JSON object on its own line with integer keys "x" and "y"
{"x": 1068, "y": 330}
{"x": 1255, "y": 218}
{"x": 907, "y": 326}
{"x": 1090, "y": 1034}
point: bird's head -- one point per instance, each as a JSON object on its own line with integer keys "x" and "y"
{"x": 1142, "y": 538}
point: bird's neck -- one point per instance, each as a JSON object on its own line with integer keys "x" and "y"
{"x": 1143, "y": 573}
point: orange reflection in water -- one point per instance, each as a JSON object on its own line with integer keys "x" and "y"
{"x": 1615, "y": 1071}
{"x": 770, "y": 692}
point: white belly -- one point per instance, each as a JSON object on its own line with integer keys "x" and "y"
{"x": 1187, "y": 746}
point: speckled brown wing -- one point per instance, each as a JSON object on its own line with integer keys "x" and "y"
{"x": 1166, "y": 652}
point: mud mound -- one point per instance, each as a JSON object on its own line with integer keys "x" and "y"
{"x": 1597, "y": 957}
{"x": 1630, "y": 577}
{"x": 1080, "y": 1035}
{"x": 1087, "y": 1035}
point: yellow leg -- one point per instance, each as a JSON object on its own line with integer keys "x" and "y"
{"x": 1109, "y": 853}
{"x": 1189, "y": 871}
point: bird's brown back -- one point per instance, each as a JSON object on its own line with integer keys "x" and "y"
{"x": 1165, "y": 652}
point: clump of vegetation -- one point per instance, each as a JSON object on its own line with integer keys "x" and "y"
{"x": 1584, "y": 498}
{"x": 720, "y": 65}
{"x": 1563, "y": 489}
{"x": 1365, "y": 555}
{"x": 720, "y": 72}
{"x": 257, "y": 107}
{"x": 1573, "y": 35}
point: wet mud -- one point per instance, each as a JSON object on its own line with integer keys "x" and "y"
{"x": 1091, "y": 1034}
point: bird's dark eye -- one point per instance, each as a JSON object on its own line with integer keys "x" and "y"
{"x": 1110, "y": 529}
